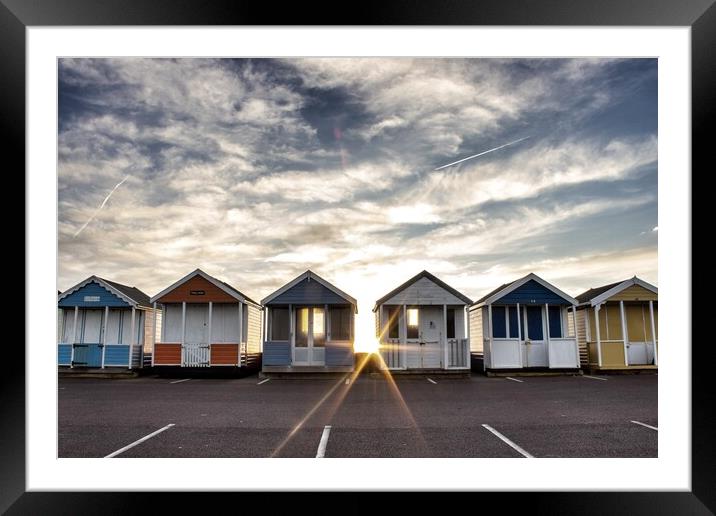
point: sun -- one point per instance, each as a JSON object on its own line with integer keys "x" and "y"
{"x": 366, "y": 346}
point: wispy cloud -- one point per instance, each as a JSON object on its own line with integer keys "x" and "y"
{"x": 94, "y": 214}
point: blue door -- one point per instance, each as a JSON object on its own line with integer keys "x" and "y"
{"x": 88, "y": 355}
{"x": 88, "y": 352}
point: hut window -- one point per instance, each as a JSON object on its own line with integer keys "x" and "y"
{"x": 319, "y": 327}
{"x": 340, "y": 323}
{"x": 412, "y": 323}
{"x": 555, "y": 321}
{"x": 514, "y": 333}
{"x": 279, "y": 323}
{"x": 451, "y": 323}
{"x": 394, "y": 323}
{"x": 302, "y": 327}
{"x": 499, "y": 326}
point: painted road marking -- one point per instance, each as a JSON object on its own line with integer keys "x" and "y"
{"x": 432, "y": 381}
{"x": 506, "y": 440}
{"x": 644, "y": 424}
{"x": 139, "y": 441}
{"x": 594, "y": 377}
{"x": 514, "y": 379}
{"x": 179, "y": 381}
{"x": 321, "y": 453}
{"x": 263, "y": 381}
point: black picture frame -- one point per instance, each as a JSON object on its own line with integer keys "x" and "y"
{"x": 700, "y": 15}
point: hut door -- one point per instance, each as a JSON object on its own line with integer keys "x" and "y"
{"x": 195, "y": 352}
{"x": 431, "y": 323}
{"x": 89, "y": 352}
{"x": 310, "y": 341}
{"x": 535, "y": 354}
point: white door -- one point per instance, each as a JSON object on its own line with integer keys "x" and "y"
{"x": 431, "y": 320}
{"x": 93, "y": 327}
{"x": 535, "y": 346}
{"x": 195, "y": 352}
{"x": 310, "y": 339}
{"x": 412, "y": 342}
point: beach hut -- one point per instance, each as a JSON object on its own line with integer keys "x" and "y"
{"x": 420, "y": 326}
{"x": 617, "y": 326}
{"x": 524, "y": 325}
{"x": 206, "y": 323}
{"x": 102, "y": 325}
{"x": 309, "y": 327}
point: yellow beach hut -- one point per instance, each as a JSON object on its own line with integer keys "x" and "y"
{"x": 617, "y": 326}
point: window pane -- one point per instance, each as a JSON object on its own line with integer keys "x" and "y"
{"x": 555, "y": 321}
{"x": 451, "y": 323}
{"x": 394, "y": 323}
{"x": 319, "y": 327}
{"x": 412, "y": 323}
{"x": 302, "y": 327}
{"x": 279, "y": 323}
{"x": 340, "y": 323}
{"x": 534, "y": 322}
{"x": 513, "y": 322}
{"x": 499, "y": 330}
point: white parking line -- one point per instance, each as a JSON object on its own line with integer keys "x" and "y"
{"x": 514, "y": 379}
{"x": 432, "y": 381}
{"x": 321, "y": 453}
{"x": 594, "y": 377}
{"x": 263, "y": 381}
{"x": 179, "y": 381}
{"x": 644, "y": 424}
{"x": 138, "y": 441}
{"x": 506, "y": 440}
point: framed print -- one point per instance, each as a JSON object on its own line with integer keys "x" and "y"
{"x": 274, "y": 242}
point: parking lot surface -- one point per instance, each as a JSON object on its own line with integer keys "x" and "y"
{"x": 370, "y": 416}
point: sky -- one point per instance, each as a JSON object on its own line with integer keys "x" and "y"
{"x": 255, "y": 170}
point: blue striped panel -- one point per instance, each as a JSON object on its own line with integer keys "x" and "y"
{"x": 116, "y": 355}
{"x": 277, "y": 353}
{"x": 308, "y": 293}
{"x": 339, "y": 354}
{"x": 532, "y": 293}
{"x": 64, "y": 354}
{"x": 106, "y": 298}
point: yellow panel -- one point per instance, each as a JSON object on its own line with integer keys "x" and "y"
{"x": 634, "y": 293}
{"x": 648, "y": 321}
{"x": 635, "y": 322}
{"x": 612, "y": 354}
{"x": 592, "y": 331}
{"x": 613, "y": 322}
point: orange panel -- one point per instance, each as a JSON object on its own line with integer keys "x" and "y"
{"x": 224, "y": 354}
{"x": 167, "y": 354}
{"x": 203, "y": 292}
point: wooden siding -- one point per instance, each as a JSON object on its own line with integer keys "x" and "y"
{"x": 424, "y": 292}
{"x": 106, "y": 298}
{"x": 225, "y": 354}
{"x": 613, "y": 321}
{"x": 252, "y": 329}
{"x": 308, "y": 293}
{"x": 167, "y": 354}
{"x": 277, "y": 353}
{"x": 477, "y": 338}
{"x": 638, "y": 322}
{"x": 532, "y": 292}
{"x": 634, "y": 293}
{"x": 582, "y": 337}
{"x": 612, "y": 354}
{"x": 339, "y": 353}
{"x": 183, "y": 293}
{"x": 149, "y": 339}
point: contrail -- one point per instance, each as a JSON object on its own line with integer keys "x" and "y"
{"x": 481, "y": 153}
{"x": 101, "y": 205}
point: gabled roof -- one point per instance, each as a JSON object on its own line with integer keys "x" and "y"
{"x": 598, "y": 295}
{"x": 509, "y": 287}
{"x": 420, "y": 275}
{"x": 131, "y": 295}
{"x": 217, "y": 282}
{"x": 310, "y": 275}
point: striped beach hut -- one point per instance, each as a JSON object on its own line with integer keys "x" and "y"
{"x": 206, "y": 323}
{"x": 309, "y": 327}
{"x": 420, "y": 326}
{"x": 102, "y": 324}
{"x": 617, "y": 326}
{"x": 524, "y": 325}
